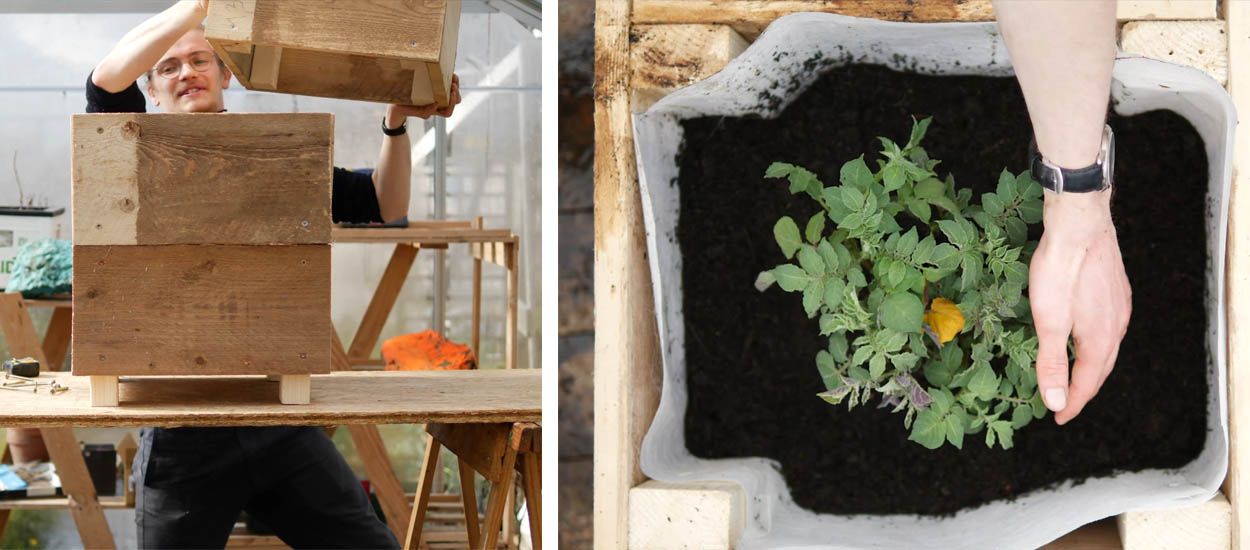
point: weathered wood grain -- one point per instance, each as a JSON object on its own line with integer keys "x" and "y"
{"x": 226, "y": 178}
{"x": 215, "y": 309}
{"x": 392, "y": 51}
{"x": 1237, "y": 272}
{"x": 341, "y": 398}
{"x": 664, "y": 58}
{"x": 1204, "y": 526}
{"x": 1199, "y": 44}
{"x": 420, "y": 235}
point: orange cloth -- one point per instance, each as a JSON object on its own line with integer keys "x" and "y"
{"x": 426, "y": 350}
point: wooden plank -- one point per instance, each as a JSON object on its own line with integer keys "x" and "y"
{"x": 500, "y": 491}
{"x": 56, "y": 338}
{"x": 294, "y": 389}
{"x": 66, "y": 454}
{"x": 1126, "y": 10}
{"x": 750, "y": 17}
{"x": 531, "y": 478}
{"x": 1205, "y": 526}
{"x": 440, "y": 74}
{"x": 481, "y": 446}
{"x": 1099, "y": 535}
{"x": 510, "y": 317}
{"x": 382, "y": 302}
{"x": 627, "y": 357}
{"x": 1199, "y": 44}
{"x": 230, "y": 19}
{"x": 1237, "y": 274}
{"x": 420, "y": 235}
{"x": 707, "y": 514}
{"x": 396, "y": 397}
{"x": 475, "y": 327}
{"x": 665, "y": 58}
{"x": 266, "y": 62}
{"x": 372, "y": 451}
{"x": 58, "y": 503}
{"x": 221, "y": 309}
{"x": 135, "y": 176}
{"x": 48, "y": 302}
{"x": 104, "y": 391}
{"x": 401, "y": 30}
{"x": 468, "y": 496}
{"x": 18, "y": 331}
{"x": 416, "y": 521}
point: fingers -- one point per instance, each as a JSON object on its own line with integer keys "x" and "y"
{"x": 1052, "y": 368}
{"x": 1092, "y": 361}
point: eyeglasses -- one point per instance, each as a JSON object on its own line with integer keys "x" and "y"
{"x": 200, "y": 61}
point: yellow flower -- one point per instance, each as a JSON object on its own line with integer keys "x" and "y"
{"x": 944, "y": 320}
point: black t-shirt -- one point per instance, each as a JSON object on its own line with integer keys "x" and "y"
{"x": 352, "y": 199}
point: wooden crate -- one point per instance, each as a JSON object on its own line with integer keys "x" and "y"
{"x": 645, "y": 49}
{"x": 388, "y": 51}
{"x": 201, "y": 247}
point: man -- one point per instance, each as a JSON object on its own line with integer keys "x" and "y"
{"x": 192, "y": 482}
{"x": 1063, "y": 53}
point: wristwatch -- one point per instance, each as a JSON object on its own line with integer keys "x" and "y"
{"x": 403, "y": 129}
{"x": 1095, "y": 177}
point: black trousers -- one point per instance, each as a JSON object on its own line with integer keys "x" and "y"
{"x": 191, "y": 484}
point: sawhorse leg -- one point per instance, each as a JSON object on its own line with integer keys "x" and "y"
{"x": 19, "y": 334}
{"x": 492, "y": 450}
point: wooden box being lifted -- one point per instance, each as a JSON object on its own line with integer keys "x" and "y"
{"x": 388, "y": 51}
{"x": 201, "y": 247}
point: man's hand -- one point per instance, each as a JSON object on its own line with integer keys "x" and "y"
{"x": 427, "y": 111}
{"x": 1077, "y": 287}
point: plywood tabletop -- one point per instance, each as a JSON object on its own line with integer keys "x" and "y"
{"x": 338, "y": 398}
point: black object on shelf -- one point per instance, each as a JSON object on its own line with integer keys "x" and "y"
{"x": 101, "y": 462}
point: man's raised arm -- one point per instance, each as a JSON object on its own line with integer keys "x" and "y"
{"x": 142, "y": 47}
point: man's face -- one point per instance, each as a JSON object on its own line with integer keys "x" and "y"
{"x": 188, "y": 78}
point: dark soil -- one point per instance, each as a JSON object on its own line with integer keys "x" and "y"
{"x": 749, "y": 355}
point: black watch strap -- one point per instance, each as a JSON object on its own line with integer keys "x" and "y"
{"x": 403, "y": 129}
{"x": 1077, "y": 180}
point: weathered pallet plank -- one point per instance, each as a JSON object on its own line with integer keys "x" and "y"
{"x": 664, "y": 58}
{"x": 1199, "y": 44}
{"x": 1237, "y": 307}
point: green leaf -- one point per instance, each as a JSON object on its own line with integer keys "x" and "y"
{"x": 853, "y": 198}
{"x": 901, "y": 311}
{"x": 1038, "y": 406}
{"x": 764, "y": 280}
{"x": 918, "y": 129}
{"x": 905, "y": 361}
{"x": 992, "y": 204}
{"x": 955, "y": 232}
{"x": 825, "y": 366}
{"x": 945, "y": 256}
{"x": 920, "y": 209}
{"x": 907, "y": 243}
{"x": 876, "y": 366}
{"x": 1006, "y": 189}
{"x": 791, "y": 278}
{"x": 837, "y": 347}
{"x": 852, "y": 221}
{"x": 815, "y": 227}
{"x": 827, "y": 323}
{"x": 1004, "y": 431}
{"x": 856, "y": 277}
{"x": 810, "y": 261}
{"x": 858, "y": 374}
{"x": 894, "y": 277}
{"x": 862, "y": 354}
{"x": 1030, "y": 211}
{"x": 778, "y": 169}
{"x": 942, "y": 399}
{"x": 955, "y": 430}
{"x": 937, "y": 373}
{"x": 1017, "y": 231}
{"x": 813, "y": 297}
{"x": 1027, "y": 187}
{"x": 945, "y": 203}
{"x": 924, "y": 250}
{"x": 787, "y": 234}
{"x": 989, "y": 438}
{"x": 1021, "y": 415}
{"x": 984, "y": 383}
{"x": 1016, "y": 273}
{"x": 893, "y": 177}
{"x": 931, "y": 188}
{"x": 833, "y": 293}
{"x": 928, "y": 430}
{"x": 828, "y": 255}
{"x": 856, "y": 173}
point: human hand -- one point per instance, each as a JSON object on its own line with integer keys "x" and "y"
{"x": 398, "y": 112}
{"x": 1077, "y": 287}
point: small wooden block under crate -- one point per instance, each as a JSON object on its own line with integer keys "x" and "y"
{"x": 389, "y": 51}
{"x": 152, "y": 179}
{"x": 201, "y": 309}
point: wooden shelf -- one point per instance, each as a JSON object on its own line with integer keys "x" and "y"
{"x": 56, "y": 503}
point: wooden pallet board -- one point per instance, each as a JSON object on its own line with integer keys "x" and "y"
{"x": 215, "y": 309}
{"x": 390, "y": 52}
{"x": 341, "y": 398}
{"x": 1237, "y": 14}
{"x": 151, "y": 179}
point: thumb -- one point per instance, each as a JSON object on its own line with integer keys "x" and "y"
{"x": 1052, "y": 368}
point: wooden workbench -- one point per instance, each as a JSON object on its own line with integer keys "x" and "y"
{"x": 395, "y": 397}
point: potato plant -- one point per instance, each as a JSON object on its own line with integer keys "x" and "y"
{"x": 920, "y": 291}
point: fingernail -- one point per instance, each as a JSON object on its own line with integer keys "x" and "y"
{"x": 1056, "y": 399}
